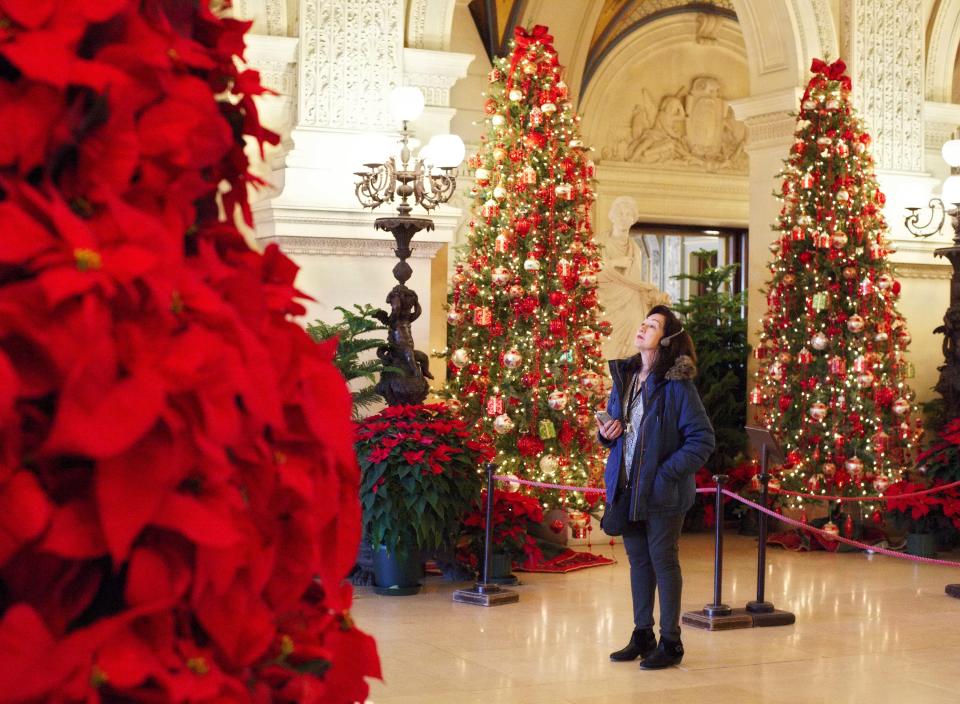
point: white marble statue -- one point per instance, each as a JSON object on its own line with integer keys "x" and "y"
{"x": 623, "y": 293}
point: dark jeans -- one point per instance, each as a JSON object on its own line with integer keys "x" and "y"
{"x": 653, "y": 550}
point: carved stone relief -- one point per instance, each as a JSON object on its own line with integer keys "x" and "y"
{"x": 350, "y": 58}
{"x": 694, "y": 128}
{"x": 707, "y": 26}
{"x": 884, "y": 42}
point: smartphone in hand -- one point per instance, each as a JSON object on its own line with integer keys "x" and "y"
{"x": 603, "y": 417}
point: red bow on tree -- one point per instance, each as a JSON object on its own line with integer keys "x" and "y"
{"x": 539, "y": 33}
{"x": 835, "y": 71}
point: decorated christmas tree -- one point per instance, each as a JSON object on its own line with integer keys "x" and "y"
{"x": 831, "y": 383}
{"x": 524, "y": 329}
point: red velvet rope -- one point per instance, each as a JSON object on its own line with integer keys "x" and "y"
{"x": 774, "y": 514}
{"x": 897, "y": 497}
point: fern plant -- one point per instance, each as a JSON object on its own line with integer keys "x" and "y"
{"x": 353, "y": 340}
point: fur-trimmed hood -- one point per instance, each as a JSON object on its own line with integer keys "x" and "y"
{"x": 683, "y": 368}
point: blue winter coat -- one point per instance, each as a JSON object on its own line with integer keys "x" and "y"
{"x": 677, "y": 439}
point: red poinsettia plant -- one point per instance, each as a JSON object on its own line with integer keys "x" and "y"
{"x": 938, "y": 466}
{"x": 739, "y": 479}
{"x": 918, "y": 514}
{"x": 178, "y": 491}
{"x": 514, "y": 516}
{"x": 420, "y": 472}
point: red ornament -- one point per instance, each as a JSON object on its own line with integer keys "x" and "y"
{"x": 529, "y": 445}
{"x": 556, "y": 526}
{"x": 558, "y": 327}
{"x": 528, "y": 305}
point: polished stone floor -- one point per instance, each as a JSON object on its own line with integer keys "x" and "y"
{"x": 870, "y": 629}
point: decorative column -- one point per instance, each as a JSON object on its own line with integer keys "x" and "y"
{"x": 770, "y": 127}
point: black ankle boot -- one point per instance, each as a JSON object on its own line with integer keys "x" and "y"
{"x": 667, "y": 654}
{"x": 641, "y": 644}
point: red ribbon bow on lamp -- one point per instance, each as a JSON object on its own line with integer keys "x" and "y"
{"x": 539, "y": 33}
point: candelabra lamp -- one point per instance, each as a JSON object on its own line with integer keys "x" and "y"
{"x": 427, "y": 180}
{"x": 948, "y": 385}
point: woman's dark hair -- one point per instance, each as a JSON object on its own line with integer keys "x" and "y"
{"x": 667, "y": 354}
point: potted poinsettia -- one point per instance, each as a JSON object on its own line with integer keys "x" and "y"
{"x": 514, "y": 516}
{"x": 420, "y": 472}
{"x": 921, "y": 516}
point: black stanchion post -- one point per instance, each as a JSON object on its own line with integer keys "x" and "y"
{"x": 485, "y": 592}
{"x": 760, "y": 606}
{"x": 762, "y": 611}
{"x": 488, "y": 532}
{"x": 717, "y": 616}
{"x": 718, "y": 608}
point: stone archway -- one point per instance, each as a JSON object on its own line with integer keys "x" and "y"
{"x": 942, "y": 52}
{"x": 429, "y": 24}
{"x": 782, "y": 37}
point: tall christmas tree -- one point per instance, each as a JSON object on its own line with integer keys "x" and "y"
{"x": 524, "y": 329}
{"x": 831, "y": 383}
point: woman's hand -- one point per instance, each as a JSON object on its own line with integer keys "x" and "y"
{"x": 611, "y": 430}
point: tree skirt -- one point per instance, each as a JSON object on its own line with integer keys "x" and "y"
{"x": 802, "y": 541}
{"x": 567, "y": 561}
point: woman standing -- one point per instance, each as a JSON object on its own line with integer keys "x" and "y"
{"x": 659, "y": 435}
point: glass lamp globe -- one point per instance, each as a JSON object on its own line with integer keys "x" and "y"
{"x": 950, "y": 193}
{"x": 406, "y": 103}
{"x": 951, "y": 152}
{"x": 445, "y": 151}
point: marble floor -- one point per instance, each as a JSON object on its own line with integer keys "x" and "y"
{"x": 870, "y": 629}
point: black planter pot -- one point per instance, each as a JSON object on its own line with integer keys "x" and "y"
{"x": 500, "y": 566}
{"x": 397, "y": 574}
{"x": 922, "y": 544}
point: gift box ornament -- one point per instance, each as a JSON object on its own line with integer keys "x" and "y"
{"x": 547, "y": 429}
{"x": 482, "y": 316}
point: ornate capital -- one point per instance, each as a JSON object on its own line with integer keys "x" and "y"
{"x": 941, "y": 120}
{"x": 275, "y": 58}
{"x": 770, "y": 117}
{"x": 347, "y": 246}
{"x": 434, "y": 72}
